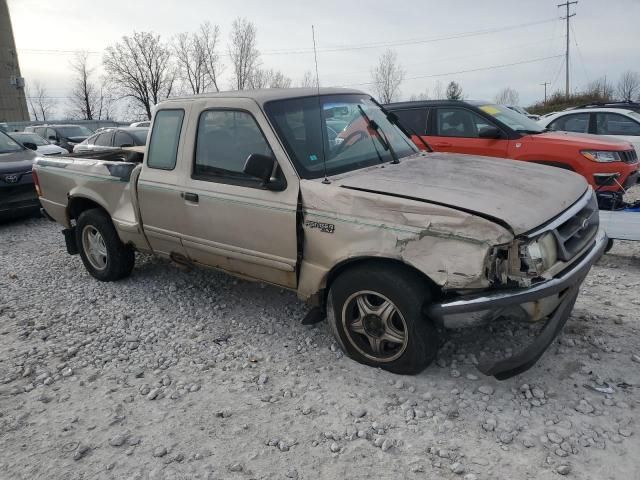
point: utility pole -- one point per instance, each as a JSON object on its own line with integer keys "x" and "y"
{"x": 545, "y": 91}
{"x": 566, "y": 61}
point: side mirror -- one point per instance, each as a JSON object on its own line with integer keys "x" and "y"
{"x": 52, "y": 138}
{"x": 30, "y": 146}
{"x": 261, "y": 167}
{"x": 489, "y": 132}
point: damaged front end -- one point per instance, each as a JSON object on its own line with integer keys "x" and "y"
{"x": 535, "y": 277}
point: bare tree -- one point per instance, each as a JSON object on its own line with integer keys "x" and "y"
{"x": 140, "y": 67}
{"x": 387, "y": 77}
{"x": 41, "y": 105}
{"x": 106, "y": 99}
{"x": 263, "y": 78}
{"x": 245, "y": 57}
{"x": 84, "y": 93}
{"x": 197, "y": 59}
{"x": 507, "y": 96}
{"x": 308, "y": 80}
{"x": 419, "y": 96}
{"x": 190, "y": 63}
{"x": 600, "y": 89}
{"x": 438, "y": 91}
{"x": 454, "y": 91}
{"x": 628, "y": 86}
{"x": 209, "y": 40}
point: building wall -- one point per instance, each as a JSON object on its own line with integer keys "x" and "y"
{"x": 13, "y": 104}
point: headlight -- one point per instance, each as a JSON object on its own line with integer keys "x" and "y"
{"x": 540, "y": 254}
{"x": 602, "y": 156}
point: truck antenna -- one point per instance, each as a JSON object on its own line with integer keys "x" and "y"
{"x": 326, "y": 180}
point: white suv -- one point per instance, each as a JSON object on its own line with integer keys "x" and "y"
{"x": 616, "y": 122}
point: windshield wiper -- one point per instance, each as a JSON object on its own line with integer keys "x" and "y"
{"x": 382, "y": 137}
{"x": 408, "y": 131}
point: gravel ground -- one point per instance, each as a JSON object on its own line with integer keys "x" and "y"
{"x": 173, "y": 374}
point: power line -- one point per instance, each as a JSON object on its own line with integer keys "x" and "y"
{"x": 491, "y": 67}
{"x": 337, "y": 48}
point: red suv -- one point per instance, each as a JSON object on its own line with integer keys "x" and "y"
{"x": 482, "y": 128}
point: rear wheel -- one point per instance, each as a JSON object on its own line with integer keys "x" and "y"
{"x": 103, "y": 254}
{"x": 375, "y": 313}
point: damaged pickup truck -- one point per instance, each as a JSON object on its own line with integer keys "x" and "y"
{"x": 388, "y": 242}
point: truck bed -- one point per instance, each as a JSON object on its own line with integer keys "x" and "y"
{"x": 107, "y": 179}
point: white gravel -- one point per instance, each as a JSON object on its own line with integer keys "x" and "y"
{"x": 173, "y": 374}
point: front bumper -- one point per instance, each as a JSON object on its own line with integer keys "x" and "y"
{"x": 18, "y": 201}
{"x": 559, "y": 292}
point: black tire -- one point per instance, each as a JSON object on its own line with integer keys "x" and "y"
{"x": 119, "y": 258}
{"x": 407, "y": 292}
{"x": 609, "y": 245}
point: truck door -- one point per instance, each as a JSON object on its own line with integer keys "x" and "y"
{"x": 231, "y": 220}
{"x": 456, "y": 129}
{"x": 159, "y": 190}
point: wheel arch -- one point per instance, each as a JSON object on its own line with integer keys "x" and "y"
{"x": 349, "y": 263}
{"x": 78, "y": 204}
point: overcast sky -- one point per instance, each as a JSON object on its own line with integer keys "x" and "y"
{"x": 490, "y": 33}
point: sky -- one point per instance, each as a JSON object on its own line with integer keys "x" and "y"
{"x": 483, "y": 45}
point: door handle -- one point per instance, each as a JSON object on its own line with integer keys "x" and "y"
{"x": 442, "y": 144}
{"x": 190, "y": 197}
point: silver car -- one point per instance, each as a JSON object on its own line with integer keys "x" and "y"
{"x": 43, "y": 147}
{"x": 114, "y": 138}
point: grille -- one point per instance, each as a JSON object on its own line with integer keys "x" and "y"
{"x": 17, "y": 193}
{"x": 575, "y": 232}
{"x": 629, "y": 156}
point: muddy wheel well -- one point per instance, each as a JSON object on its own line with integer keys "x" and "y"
{"x": 77, "y": 205}
{"x": 381, "y": 263}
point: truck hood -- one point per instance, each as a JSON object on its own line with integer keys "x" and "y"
{"x": 583, "y": 140}
{"x": 518, "y": 195}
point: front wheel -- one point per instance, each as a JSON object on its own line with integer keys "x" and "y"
{"x": 103, "y": 254}
{"x": 375, "y": 314}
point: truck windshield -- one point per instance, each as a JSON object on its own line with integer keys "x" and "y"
{"x": 350, "y": 142}
{"x": 8, "y": 144}
{"x": 514, "y": 120}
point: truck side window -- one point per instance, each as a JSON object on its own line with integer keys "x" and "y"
{"x": 414, "y": 118}
{"x": 163, "y": 145}
{"x": 224, "y": 140}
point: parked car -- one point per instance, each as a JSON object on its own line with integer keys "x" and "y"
{"x": 17, "y": 193}
{"x": 146, "y": 123}
{"x": 43, "y": 146}
{"x": 114, "y": 138}
{"x": 522, "y": 111}
{"x": 634, "y": 106}
{"x": 481, "y": 128}
{"x": 616, "y": 122}
{"x": 383, "y": 239}
{"x": 65, "y": 136}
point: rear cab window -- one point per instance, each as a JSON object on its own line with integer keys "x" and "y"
{"x": 165, "y": 137}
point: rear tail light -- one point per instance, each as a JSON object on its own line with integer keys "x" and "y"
{"x": 36, "y": 182}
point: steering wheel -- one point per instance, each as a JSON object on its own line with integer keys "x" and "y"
{"x": 345, "y": 143}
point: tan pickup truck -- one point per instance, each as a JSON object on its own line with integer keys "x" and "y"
{"x": 387, "y": 242}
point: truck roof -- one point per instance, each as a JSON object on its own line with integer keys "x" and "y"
{"x": 265, "y": 95}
